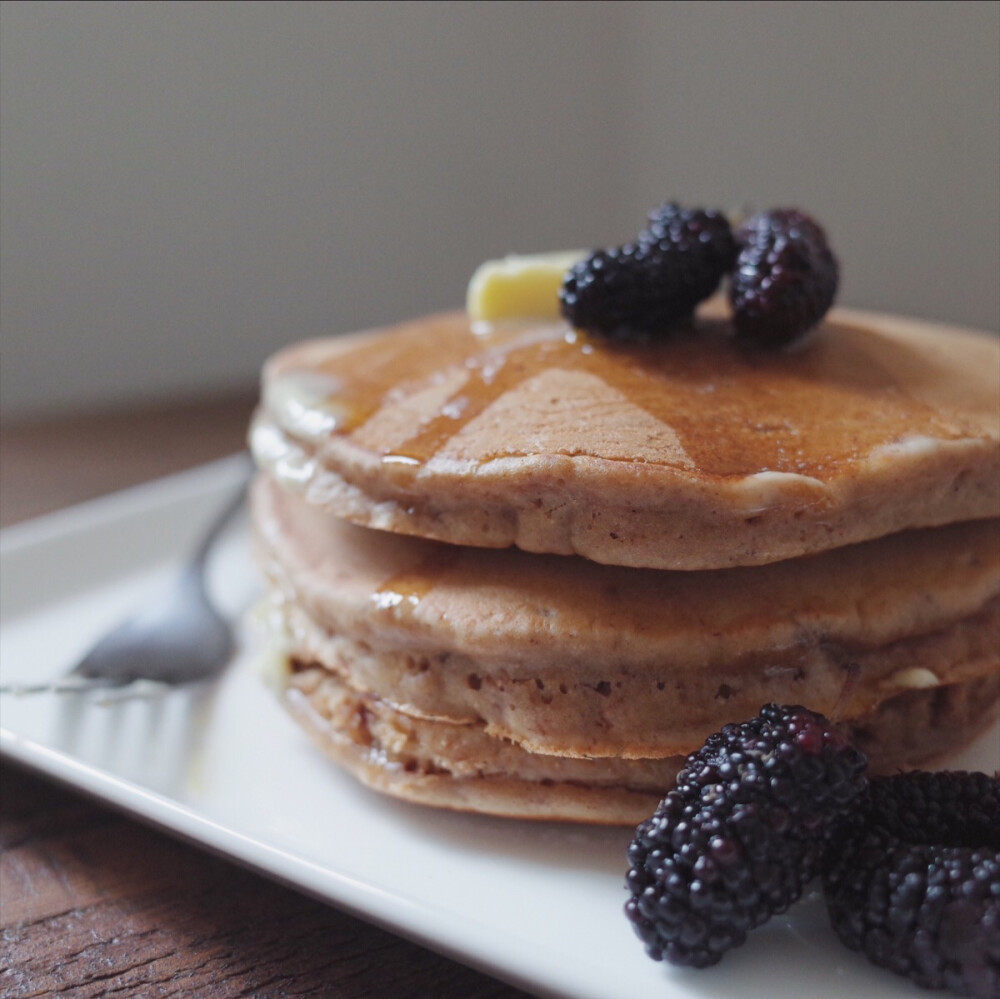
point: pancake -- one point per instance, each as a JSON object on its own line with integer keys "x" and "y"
{"x": 456, "y": 766}
{"x": 694, "y": 454}
{"x": 567, "y": 657}
{"x": 518, "y": 571}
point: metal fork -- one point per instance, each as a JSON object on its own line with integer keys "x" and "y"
{"x": 178, "y": 638}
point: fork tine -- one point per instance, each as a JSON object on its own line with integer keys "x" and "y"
{"x": 71, "y": 683}
{"x": 118, "y": 659}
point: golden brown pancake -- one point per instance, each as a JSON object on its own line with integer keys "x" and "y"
{"x": 459, "y": 766}
{"x": 693, "y": 454}
{"x": 571, "y": 658}
{"x": 589, "y": 556}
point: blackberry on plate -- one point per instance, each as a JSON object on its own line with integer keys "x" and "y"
{"x": 741, "y": 834}
{"x": 640, "y": 290}
{"x": 785, "y": 277}
{"x": 915, "y": 880}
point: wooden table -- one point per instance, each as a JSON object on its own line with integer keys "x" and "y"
{"x": 95, "y": 904}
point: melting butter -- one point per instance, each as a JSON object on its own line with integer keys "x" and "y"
{"x": 519, "y": 286}
{"x": 307, "y": 403}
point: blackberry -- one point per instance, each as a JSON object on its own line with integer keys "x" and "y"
{"x": 958, "y": 808}
{"x": 740, "y": 835}
{"x": 701, "y": 230}
{"x": 640, "y": 290}
{"x": 915, "y": 880}
{"x": 785, "y": 277}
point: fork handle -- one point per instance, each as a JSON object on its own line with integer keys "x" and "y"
{"x": 200, "y": 555}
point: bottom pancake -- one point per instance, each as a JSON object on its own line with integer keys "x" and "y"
{"x": 460, "y": 766}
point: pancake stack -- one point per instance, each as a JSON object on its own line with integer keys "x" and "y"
{"x": 521, "y": 571}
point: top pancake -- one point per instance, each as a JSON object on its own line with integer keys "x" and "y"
{"x": 696, "y": 453}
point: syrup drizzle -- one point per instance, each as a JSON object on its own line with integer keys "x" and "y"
{"x": 400, "y": 595}
{"x": 735, "y": 411}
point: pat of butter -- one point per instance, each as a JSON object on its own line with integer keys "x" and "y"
{"x": 916, "y": 678}
{"x": 519, "y": 286}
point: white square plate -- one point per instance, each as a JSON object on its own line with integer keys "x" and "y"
{"x": 539, "y": 905}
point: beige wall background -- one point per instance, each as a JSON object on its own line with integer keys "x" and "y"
{"x": 185, "y": 187}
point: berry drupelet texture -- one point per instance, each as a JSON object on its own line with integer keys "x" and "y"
{"x": 957, "y": 808}
{"x": 741, "y": 834}
{"x": 641, "y": 290}
{"x": 915, "y": 881}
{"x": 702, "y": 231}
{"x": 785, "y": 278}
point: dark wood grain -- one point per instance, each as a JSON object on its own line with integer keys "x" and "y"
{"x": 94, "y": 904}
{"x": 55, "y": 462}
